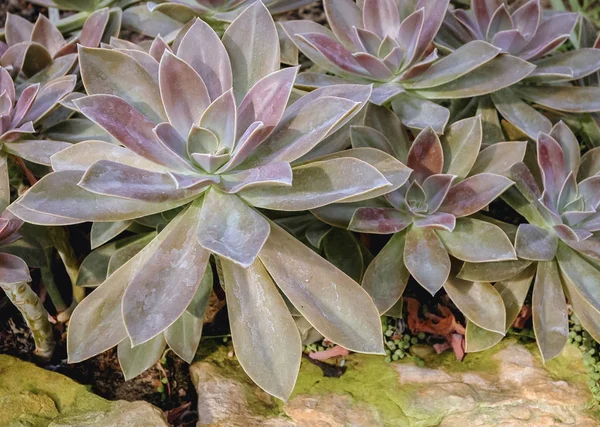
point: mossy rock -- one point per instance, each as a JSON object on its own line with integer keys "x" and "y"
{"x": 507, "y": 385}
{"x": 34, "y": 397}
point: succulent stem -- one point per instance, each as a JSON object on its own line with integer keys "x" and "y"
{"x": 73, "y": 22}
{"x": 60, "y": 239}
{"x": 52, "y": 289}
{"x": 35, "y": 315}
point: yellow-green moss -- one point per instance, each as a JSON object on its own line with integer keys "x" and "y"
{"x": 33, "y": 396}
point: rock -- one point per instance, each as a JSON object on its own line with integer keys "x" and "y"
{"x": 34, "y": 397}
{"x": 505, "y": 386}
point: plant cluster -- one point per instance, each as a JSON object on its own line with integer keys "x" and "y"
{"x": 196, "y": 152}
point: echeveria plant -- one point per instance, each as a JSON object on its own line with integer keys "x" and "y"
{"x": 40, "y": 52}
{"x": 558, "y": 244}
{"x": 389, "y": 43}
{"x": 526, "y": 32}
{"x": 431, "y": 216}
{"x": 19, "y": 116}
{"x": 214, "y": 136}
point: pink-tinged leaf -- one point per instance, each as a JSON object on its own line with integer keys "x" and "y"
{"x": 246, "y": 144}
{"x": 480, "y": 303}
{"x": 108, "y": 72}
{"x": 309, "y": 81}
{"x": 258, "y": 314}
{"x": 426, "y": 156}
{"x": 84, "y": 154}
{"x": 220, "y": 118}
{"x": 527, "y": 18}
{"x": 145, "y": 60}
{"x": 474, "y": 193}
{"x": 551, "y": 33}
{"x": 570, "y": 147}
{"x": 266, "y": 101}
{"x": 17, "y": 29}
{"x": 93, "y": 28}
{"x": 590, "y": 164}
{"x": 501, "y": 21}
{"x": 483, "y": 10}
{"x": 273, "y": 174}
{"x": 535, "y": 243}
{"x": 130, "y": 128}
{"x": 184, "y": 95}
{"x": 118, "y": 180}
{"x": 459, "y": 63}
{"x": 171, "y": 139}
{"x": 426, "y": 258}
{"x": 551, "y": 160}
{"x": 393, "y": 170}
{"x": 6, "y": 84}
{"x": 46, "y": 34}
{"x": 587, "y": 314}
{"x": 386, "y": 277}
{"x": 331, "y": 301}
{"x": 579, "y": 270}
{"x": 477, "y": 241}
{"x": 437, "y": 221}
{"x": 568, "y": 194}
{"x": 317, "y": 184}
{"x": 524, "y": 117}
{"x": 253, "y": 47}
{"x": 368, "y": 41}
{"x": 550, "y": 316}
{"x": 59, "y": 67}
{"x": 13, "y": 270}
{"x": 298, "y": 133}
{"x": 167, "y": 281}
{"x": 568, "y": 234}
{"x": 210, "y": 162}
{"x": 461, "y": 144}
{"x": 35, "y": 150}
{"x": 344, "y": 16}
{"x": 419, "y": 113}
{"x": 589, "y": 189}
{"x": 501, "y": 72}
{"x": 435, "y": 10}
{"x": 334, "y": 52}
{"x": 230, "y": 228}
{"x": 79, "y": 205}
{"x": 385, "y": 93}
{"x": 498, "y": 158}
{"x": 24, "y": 103}
{"x": 16, "y": 133}
{"x": 373, "y": 65}
{"x": 97, "y": 322}
{"x": 381, "y": 17}
{"x": 48, "y": 96}
{"x": 409, "y": 34}
{"x": 378, "y": 221}
{"x": 436, "y": 188}
{"x": 158, "y": 48}
{"x": 201, "y": 141}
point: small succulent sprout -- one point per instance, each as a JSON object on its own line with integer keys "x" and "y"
{"x": 40, "y": 52}
{"x": 20, "y": 115}
{"x": 558, "y": 245}
{"x": 431, "y": 215}
{"x": 212, "y": 133}
{"x": 526, "y": 32}
{"x": 389, "y": 43}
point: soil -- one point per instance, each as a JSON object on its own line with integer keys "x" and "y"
{"x": 19, "y": 7}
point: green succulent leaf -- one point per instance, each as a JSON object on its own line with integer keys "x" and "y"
{"x": 259, "y": 317}
{"x": 183, "y": 336}
{"x": 135, "y": 360}
{"x": 550, "y": 316}
{"x": 321, "y": 293}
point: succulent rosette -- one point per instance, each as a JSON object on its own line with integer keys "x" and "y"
{"x": 389, "y": 43}
{"x": 431, "y": 217}
{"x": 20, "y": 115}
{"x": 40, "y": 52}
{"x": 530, "y": 34}
{"x": 212, "y": 134}
{"x": 558, "y": 245}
